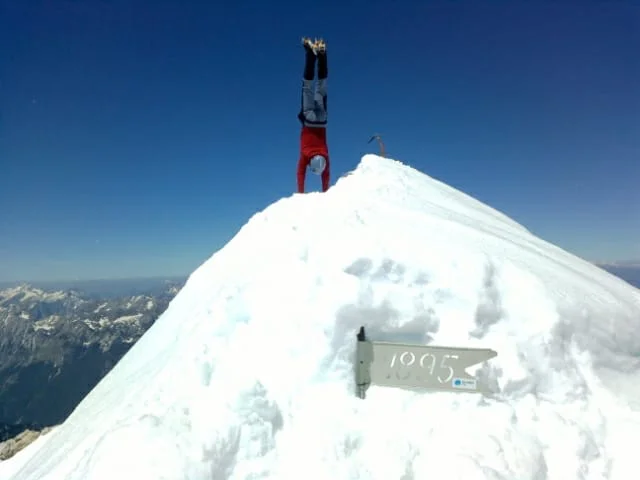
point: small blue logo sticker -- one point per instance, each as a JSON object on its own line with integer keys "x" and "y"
{"x": 464, "y": 383}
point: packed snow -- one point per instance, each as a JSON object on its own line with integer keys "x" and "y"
{"x": 250, "y": 372}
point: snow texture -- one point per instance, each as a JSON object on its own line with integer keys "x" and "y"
{"x": 249, "y": 373}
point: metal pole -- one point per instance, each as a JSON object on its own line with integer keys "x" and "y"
{"x": 363, "y": 361}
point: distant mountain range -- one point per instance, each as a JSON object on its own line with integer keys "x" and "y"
{"x": 56, "y": 345}
{"x": 627, "y": 271}
{"x": 622, "y": 264}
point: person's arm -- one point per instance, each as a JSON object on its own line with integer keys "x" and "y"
{"x": 326, "y": 177}
{"x": 302, "y": 170}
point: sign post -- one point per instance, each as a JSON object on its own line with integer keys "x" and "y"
{"x": 409, "y": 366}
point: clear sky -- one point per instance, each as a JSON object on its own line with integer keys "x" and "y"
{"x": 136, "y": 137}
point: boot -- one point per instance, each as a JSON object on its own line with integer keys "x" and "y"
{"x": 310, "y": 59}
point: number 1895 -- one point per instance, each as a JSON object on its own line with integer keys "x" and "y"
{"x": 427, "y": 361}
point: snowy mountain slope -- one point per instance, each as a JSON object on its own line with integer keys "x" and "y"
{"x": 249, "y": 372}
{"x": 8, "y": 468}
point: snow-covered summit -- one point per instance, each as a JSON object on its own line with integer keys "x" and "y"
{"x": 249, "y": 373}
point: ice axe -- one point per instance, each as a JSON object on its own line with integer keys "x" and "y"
{"x": 380, "y": 143}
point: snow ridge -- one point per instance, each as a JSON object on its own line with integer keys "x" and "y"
{"x": 249, "y": 372}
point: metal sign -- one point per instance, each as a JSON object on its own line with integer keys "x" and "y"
{"x": 417, "y": 366}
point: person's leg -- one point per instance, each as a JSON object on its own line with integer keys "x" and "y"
{"x": 321, "y": 53}
{"x": 320, "y": 96}
{"x": 307, "y": 107}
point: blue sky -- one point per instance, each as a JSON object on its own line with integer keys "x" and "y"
{"x": 136, "y": 137}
